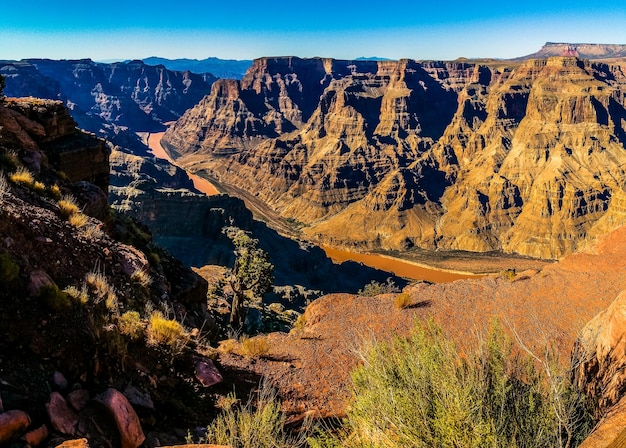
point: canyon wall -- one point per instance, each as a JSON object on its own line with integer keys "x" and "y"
{"x": 525, "y": 157}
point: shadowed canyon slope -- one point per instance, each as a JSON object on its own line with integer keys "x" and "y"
{"x": 112, "y": 100}
{"x": 523, "y": 157}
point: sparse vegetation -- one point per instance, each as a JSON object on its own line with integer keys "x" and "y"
{"x": 141, "y": 277}
{"x": 255, "y": 425}
{"x": 130, "y": 324}
{"x": 22, "y": 177}
{"x": 402, "y": 300}
{"x": 164, "y": 331}
{"x": 9, "y": 269}
{"x": 255, "y": 347}
{"x": 39, "y": 187}
{"x": 300, "y": 323}
{"x": 375, "y": 288}
{"x": 508, "y": 274}
{"x": 92, "y": 231}
{"x": 9, "y": 160}
{"x": 54, "y": 298}
{"x": 54, "y": 192}
{"x": 67, "y": 206}
{"x": 101, "y": 290}
{"x": 251, "y": 277}
{"x": 78, "y": 220}
{"x": 420, "y": 392}
{"x": 78, "y": 295}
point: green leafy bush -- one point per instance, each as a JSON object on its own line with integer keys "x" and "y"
{"x": 421, "y": 392}
{"x": 375, "y": 288}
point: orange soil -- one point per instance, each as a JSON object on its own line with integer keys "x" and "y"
{"x": 201, "y": 184}
{"x": 406, "y": 269}
{"x": 311, "y": 368}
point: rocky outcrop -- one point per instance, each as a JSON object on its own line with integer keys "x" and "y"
{"x": 43, "y": 132}
{"x": 600, "y": 355}
{"x": 521, "y": 157}
{"x": 111, "y": 100}
{"x": 64, "y": 284}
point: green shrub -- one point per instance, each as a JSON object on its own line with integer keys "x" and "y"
{"x": 420, "y": 392}
{"x": 9, "y": 269}
{"x": 375, "y": 288}
{"x": 260, "y": 425}
{"x": 57, "y": 300}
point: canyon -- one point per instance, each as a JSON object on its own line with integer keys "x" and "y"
{"x": 521, "y": 161}
{"x": 523, "y": 157}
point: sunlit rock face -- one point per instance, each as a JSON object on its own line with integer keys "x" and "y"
{"x": 525, "y": 157}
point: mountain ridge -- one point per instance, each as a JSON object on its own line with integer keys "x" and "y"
{"x": 438, "y": 155}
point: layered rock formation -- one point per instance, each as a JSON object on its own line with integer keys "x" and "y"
{"x": 582, "y": 50}
{"x": 109, "y": 99}
{"x": 522, "y": 157}
{"x": 43, "y": 133}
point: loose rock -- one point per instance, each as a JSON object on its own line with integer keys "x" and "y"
{"x": 125, "y": 417}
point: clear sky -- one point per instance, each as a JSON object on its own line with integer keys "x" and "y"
{"x": 246, "y": 29}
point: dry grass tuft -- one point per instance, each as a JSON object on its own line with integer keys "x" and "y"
{"x": 141, "y": 277}
{"x": 102, "y": 290}
{"x": 78, "y": 295}
{"x": 92, "y": 231}
{"x": 164, "y": 331}
{"x": 23, "y": 177}
{"x": 4, "y": 185}
{"x": 130, "y": 324}
{"x": 255, "y": 347}
{"x": 67, "y": 206}
{"x": 402, "y": 301}
{"x": 39, "y": 187}
{"x": 78, "y": 220}
{"x": 55, "y": 192}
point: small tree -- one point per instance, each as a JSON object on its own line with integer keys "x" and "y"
{"x": 2, "y": 85}
{"x": 251, "y": 277}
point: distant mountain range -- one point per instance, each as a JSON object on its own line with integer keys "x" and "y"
{"x": 581, "y": 50}
{"x": 221, "y": 68}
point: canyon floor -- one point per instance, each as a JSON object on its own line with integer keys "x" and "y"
{"x": 435, "y": 266}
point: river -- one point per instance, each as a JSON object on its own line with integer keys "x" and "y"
{"x": 401, "y": 268}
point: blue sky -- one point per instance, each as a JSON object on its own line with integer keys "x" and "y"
{"x": 246, "y": 29}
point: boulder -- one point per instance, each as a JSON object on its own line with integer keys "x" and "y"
{"x": 125, "y": 417}
{"x": 207, "y": 373}
{"x": 62, "y": 417}
{"x": 36, "y": 436}
{"x": 13, "y": 424}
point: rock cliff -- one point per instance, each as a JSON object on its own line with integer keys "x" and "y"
{"x": 112, "y": 100}
{"x": 65, "y": 281}
{"x": 522, "y": 157}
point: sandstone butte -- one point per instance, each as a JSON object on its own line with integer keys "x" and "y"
{"x": 525, "y": 157}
